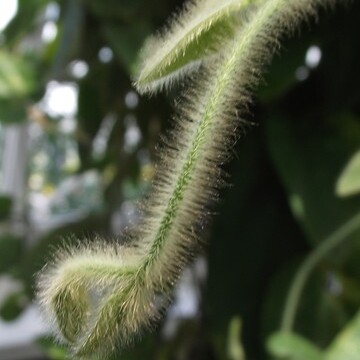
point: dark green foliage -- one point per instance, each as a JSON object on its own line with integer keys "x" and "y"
{"x": 11, "y": 248}
{"x": 282, "y": 202}
{"x": 258, "y": 239}
{"x": 5, "y": 207}
{"x": 13, "y": 306}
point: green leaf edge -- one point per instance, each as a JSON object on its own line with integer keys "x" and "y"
{"x": 165, "y": 58}
{"x": 346, "y": 184}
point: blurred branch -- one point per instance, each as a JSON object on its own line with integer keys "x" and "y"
{"x": 309, "y": 264}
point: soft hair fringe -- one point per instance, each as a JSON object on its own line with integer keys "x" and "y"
{"x": 126, "y": 299}
{"x": 183, "y": 28}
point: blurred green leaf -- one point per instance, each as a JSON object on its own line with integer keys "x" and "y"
{"x": 53, "y": 349}
{"x": 126, "y": 41}
{"x": 308, "y": 154}
{"x": 114, "y": 9}
{"x": 12, "y": 111}
{"x": 349, "y": 180}
{"x": 11, "y": 248}
{"x": 25, "y": 20}
{"x": 13, "y": 306}
{"x": 91, "y": 107}
{"x": 347, "y": 344}
{"x": 251, "y": 234}
{"x": 321, "y": 313}
{"x": 69, "y": 37}
{"x": 17, "y": 78}
{"x": 145, "y": 349}
{"x": 291, "y": 346}
{"x": 5, "y": 206}
{"x": 235, "y": 348}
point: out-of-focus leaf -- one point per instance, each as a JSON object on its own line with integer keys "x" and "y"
{"x": 349, "y": 180}
{"x": 146, "y": 349}
{"x": 347, "y": 344}
{"x": 321, "y": 312}
{"x": 308, "y": 154}
{"x": 126, "y": 41}
{"x": 239, "y": 246}
{"x": 12, "y": 111}
{"x": 69, "y": 37}
{"x": 13, "y": 306}
{"x": 53, "y": 349}
{"x": 10, "y": 251}
{"x": 24, "y": 21}
{"x": 5, "y": 206}
{"x": 291, "y": 346}
{"x": 91, "y": 107}
{"x": 17, "y": 78}
{"x": 235, "y": 348}
{"x": 350, "y": 289}
{"x": 114, "y": 9}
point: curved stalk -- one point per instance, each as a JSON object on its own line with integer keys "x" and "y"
{"x": 302, "y": 275}
{"x": 129, "y": 287}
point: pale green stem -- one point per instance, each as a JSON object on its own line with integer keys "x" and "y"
{"x": 129, "y": 307}
{"x": 186, "y": 173}
{"x": 234, "y": 66}
{"x": 93, "y": 273}
{"x": 245, "y": 41}
{"x": 326, "y": 246}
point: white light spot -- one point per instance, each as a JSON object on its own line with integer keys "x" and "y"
{"x": 313, "y": 57}
{"x": 132, "y": 137}
{"x": 132, "y": 133}
{"x": 60, "y": 99}
{"x": 8, "y": 9}
{"x": 79, "y": 69}
{"x": 105, "y": 55}
{"x": 52, "y": 11}
{"x": 302, "y": 73}
{"x": 131, "y": 100}
{"x": 49, "y": 32}
{"x": 36, "y": 182}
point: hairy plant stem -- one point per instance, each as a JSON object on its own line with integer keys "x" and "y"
{"x": 232, "y": 71}
{"x": 121, "y": 295}
{"x": 243, "y": 43}
{"x": 314, "y": 258}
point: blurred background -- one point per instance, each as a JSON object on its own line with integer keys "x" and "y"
{"x": 77, "y": 150}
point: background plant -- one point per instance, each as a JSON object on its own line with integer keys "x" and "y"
{"x": 288, "y": 226}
